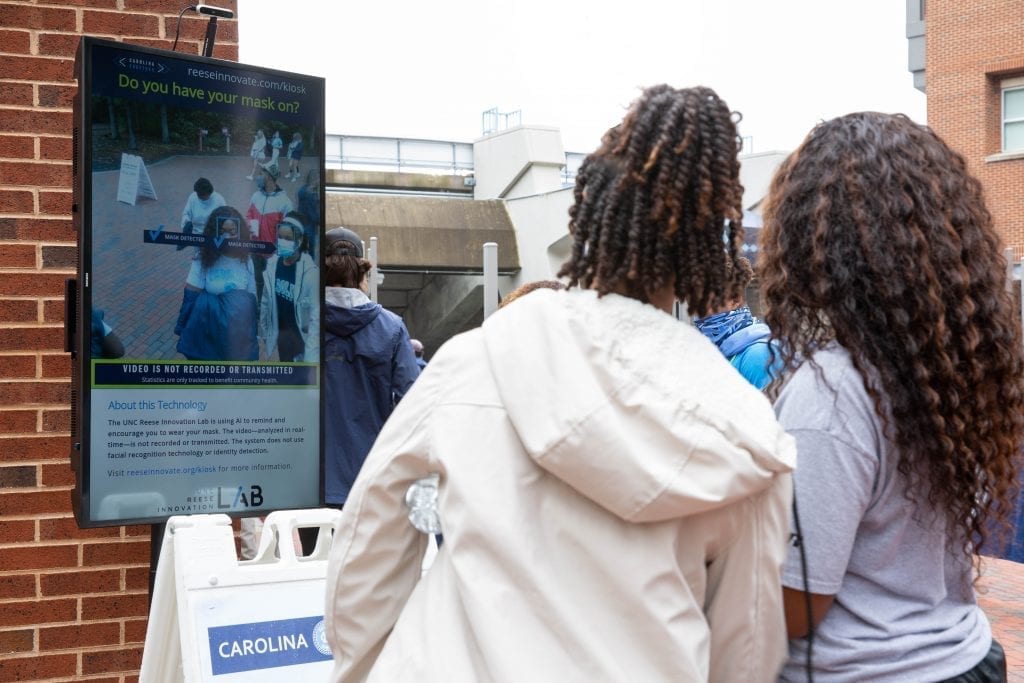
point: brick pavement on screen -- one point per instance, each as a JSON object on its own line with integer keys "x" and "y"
{"x": 138, "y": 285}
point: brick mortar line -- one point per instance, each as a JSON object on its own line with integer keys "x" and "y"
{"x": 72, "y": 83}
{"x": 9, "y": 270}
{"x": 84, "y": 649}
{"x": 63, "y": 460}
{"x": 37, "y": 216}
{"x": 9, "y": 409}
{"x": 34, "y": 380}
{"x": 49, "y": 162}
{"x": 36, "y": 406}
{"x": 23, "y": 380}
{"x": 32, "y": 55}
{"x": 50, "y": 543}
{"x": 23, "y": 297}
{"x": 46, "y": 242}
{"x": 72, "y": 596}
{"x": 70, "y": 269}
{"x": 35, "y": 270}
{"x": 74, "y": 570}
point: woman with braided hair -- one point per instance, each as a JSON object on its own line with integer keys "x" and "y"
{"x": 884, "y": 283}
{"x": 613, "y": 494}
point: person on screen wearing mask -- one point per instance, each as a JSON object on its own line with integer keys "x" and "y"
{"x": 258, "y": 153}
{"x": 308, "y": 200}
{"x": 275, "y": 147}
{"x": 294, "y": 156}
{"x": 290, "y": 311}
{"x": 267, "y": 208}
{"x": 198, "y": 207}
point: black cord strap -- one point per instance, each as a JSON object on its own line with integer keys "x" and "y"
{"x": 807, "y": 591}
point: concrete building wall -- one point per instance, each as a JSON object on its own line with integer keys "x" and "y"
{"x": 756, "y": 171}
{"x": 518, "y": 162}
{"x": 972, "y": 47}
{"x": 73, "y": 603}
{"x": 542, "y": 234}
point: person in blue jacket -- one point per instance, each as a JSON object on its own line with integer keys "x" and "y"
{"x": 741, "y": 337}
{"x": 369, "y": 363}
{"x": 219, "y": 314}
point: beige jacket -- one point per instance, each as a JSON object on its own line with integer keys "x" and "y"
{"x": 614, "y": 499}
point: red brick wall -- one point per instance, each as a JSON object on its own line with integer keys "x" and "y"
{"x": 72, "y": 603}
{"x": 971, "y": 46}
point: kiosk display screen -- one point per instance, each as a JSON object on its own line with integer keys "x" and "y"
{"x": 195, "y": 320}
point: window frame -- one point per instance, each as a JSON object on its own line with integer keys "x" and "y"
{"x": 1008, "y": 85}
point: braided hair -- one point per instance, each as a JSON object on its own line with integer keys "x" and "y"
{"x": 659, "y": 203}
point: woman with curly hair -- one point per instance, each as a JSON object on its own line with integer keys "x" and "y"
{"x": 219, "y": 315}
{"x": 884, "y": 284}
{"x": 613, "y": 495}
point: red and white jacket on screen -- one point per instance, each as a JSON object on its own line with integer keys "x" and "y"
{"x": 269, "y": 210}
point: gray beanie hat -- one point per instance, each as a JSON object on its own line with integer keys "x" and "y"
{"x": 340, "y": 234}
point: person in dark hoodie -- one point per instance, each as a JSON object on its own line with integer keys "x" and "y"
{"x": 370, "y": 363}
{"x": 742, "y": 338}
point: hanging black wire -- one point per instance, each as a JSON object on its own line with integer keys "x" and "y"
{"x": 177, "y": 31}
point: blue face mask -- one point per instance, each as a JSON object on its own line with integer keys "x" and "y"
{"x": 285, "y": 248}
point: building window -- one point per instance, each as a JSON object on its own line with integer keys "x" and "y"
{"x": 1013, "y": 119}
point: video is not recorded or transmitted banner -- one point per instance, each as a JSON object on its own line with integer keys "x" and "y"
{"x": 199, "y": 285}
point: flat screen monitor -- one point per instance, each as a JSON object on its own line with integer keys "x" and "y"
{"x": 194, "y": 322}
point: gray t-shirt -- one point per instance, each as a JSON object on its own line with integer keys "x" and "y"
{"x": 904, "y": 605}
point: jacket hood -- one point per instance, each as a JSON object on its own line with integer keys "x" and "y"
{"x": 743, "y": 339}
{"x": 348, "y": 311}
{"x": 733, "y": 331}
{"x": 630, "y": 407}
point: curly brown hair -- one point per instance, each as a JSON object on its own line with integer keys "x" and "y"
{"x": 523, "y": 290}
{"x": 744, "y": 270}
{"x": 877, "y": 237}
{"x": 659, "y": 203}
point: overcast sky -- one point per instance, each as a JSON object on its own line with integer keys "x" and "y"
{"x": 429, "y": 69}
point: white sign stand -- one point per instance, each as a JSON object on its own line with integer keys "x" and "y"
{"x": 133, "y": 180}
{"x": 215, "y": 618}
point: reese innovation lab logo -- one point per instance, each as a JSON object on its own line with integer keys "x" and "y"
{"x": 267, "y": 645}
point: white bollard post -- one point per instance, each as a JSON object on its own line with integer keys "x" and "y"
{"x": 373, "y": 269}
{"x": 490, "y": 278}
